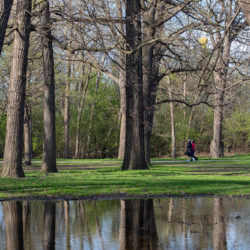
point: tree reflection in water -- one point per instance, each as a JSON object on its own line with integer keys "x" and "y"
{"x": 173, "y": 223}
{"x": 49, "y": 225}
{"x": 13, "y": 225}
{"x": 219, "y": 234}
{"x": 137, "y": 225}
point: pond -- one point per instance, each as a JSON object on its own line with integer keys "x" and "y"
{"x": 166, "y": 223}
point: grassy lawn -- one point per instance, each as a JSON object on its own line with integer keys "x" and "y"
{"x": 228, "y": 176}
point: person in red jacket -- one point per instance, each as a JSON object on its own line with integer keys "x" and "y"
{"x": 193, "y": 157}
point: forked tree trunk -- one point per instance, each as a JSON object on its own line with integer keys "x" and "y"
{"x": 13, "y": 225}
{"x": 5, "y": 8}
{"x": 12, "y": 161}
{"x": 27, "y": 135}
{"x": 49, "y": 140}
{"x": 66, "y": 110}
{"x": 134, "y": 157}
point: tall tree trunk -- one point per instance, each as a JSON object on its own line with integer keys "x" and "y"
{"x": 82, "y": 94}
{"x": 134, "y": 157}
{"x": 49, "y": 225}
{"x": 27, "y": 134}
{"x": 92, "y": 110}
{"x": 13, "y": 225}
{"x": 150, "y": 74}
{"x": 5, "y": 8}
{"x": 173, "y": 134}
{"x": 122, "y": 86}
{"x": 49, "y": 141}
{"x": 217, "y": 146}
{"x": 220, "y": 79}
{"x": 66, "y": 110}
{"x": 150, "y": 66}
{"x": 12, "y": 162}
{"x": 245, "y": 6}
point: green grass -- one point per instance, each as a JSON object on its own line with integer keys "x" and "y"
{"x": 229, "y": 176}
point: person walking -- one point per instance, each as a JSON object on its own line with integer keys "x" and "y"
{"x": 188, "y": 152}
{"x": 193, "y": 157}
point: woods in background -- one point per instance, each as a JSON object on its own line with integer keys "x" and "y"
{"x": 133, "y": 80}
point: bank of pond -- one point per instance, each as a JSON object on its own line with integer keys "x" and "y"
{"x": 159, "y": 223}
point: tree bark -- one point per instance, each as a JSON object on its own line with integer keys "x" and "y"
{"x": 66, "y": 110}
{"x": 12, "y": 162}
{"x": 27, "y": 135}
{"x": 134, "y": 157}
{"x": 49, "y": 142}
{"x": 13, "y": 225}
{"x": 245, "y": 6}
{"x": 5, "y": 8}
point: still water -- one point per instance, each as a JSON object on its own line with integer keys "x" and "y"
{"x": 169, "y": 223}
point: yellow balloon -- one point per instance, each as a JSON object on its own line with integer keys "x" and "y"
{"x": 203, "y": 41}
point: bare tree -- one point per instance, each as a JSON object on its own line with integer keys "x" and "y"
{"x": 12, "y": 161}
{"x": 5, "y": 8}
{"x": 49, "y": 144}
{"x": 222, "y": 61}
